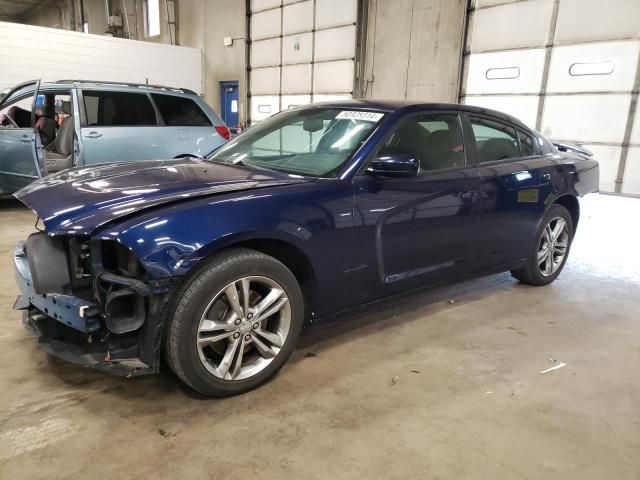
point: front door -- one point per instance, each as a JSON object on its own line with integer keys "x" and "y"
{"x": 229, "y": 103}
{"x": 417, "y": 231}
{"x": 19, "y": 143}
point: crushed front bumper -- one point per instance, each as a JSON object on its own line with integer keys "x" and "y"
{"x": 70, "y": 328}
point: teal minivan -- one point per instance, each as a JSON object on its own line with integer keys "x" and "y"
{"x": 48, "y": 127}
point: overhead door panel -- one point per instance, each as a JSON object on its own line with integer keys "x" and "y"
{"x": 335, "y": 13}
{"x": 586, "y": 118}
{"x": 297, "y": 17}
{"x": 501, "y": 27}
{"x": 333, "y": 77}
{"x": 265, "y": 80}
{"x": 593, "y": 67}
{"x": 297, "y": 48}
{"x": 336, "y": 43}
{"x": 518, "y": 71}
{"x": 266, "y": 24}
{"x": 265, "y": 53}
{"x": 296, "y": 78}
{"x": 631, "y": 184}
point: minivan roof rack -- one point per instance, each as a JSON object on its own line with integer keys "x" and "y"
{"x": 128, "y": 84}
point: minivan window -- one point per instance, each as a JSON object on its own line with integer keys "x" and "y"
{"x": 494, "y": 140}
{"x": 434, "y": 139}
{"x": 180, "y": 112}
{"x": 111, "y": 109}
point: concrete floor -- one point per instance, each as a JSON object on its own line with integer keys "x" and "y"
{"x": 468, "y": 399}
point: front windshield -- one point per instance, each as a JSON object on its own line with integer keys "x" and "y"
{"x": 314, "y": 141}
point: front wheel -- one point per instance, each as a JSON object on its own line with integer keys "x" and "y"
{"x": 551, "y": 249}
{"x": 234, "y": 324}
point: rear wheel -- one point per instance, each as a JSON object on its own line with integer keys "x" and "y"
{"x": 551, "y": 249}
{"x": 234, "y": 324}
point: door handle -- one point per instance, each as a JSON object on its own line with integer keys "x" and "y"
{"x": 26, "y": 139}
{"x": 92, "y": 135}
{"x": 469, "y": 196}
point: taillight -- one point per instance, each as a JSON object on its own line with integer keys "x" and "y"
{"x": 223, "y": 131}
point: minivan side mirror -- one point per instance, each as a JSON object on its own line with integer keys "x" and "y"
{"x": 394, "y": 165}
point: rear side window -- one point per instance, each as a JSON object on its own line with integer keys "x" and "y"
{"x": 180, "y": 112}
{"x": 112, "y": 109}
{"x": 494, "y": 140}
{"x": 526, "y": 144}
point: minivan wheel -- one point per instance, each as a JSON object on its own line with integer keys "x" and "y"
{"x": 234, "y": 323}
{"x": 551, "y": 248}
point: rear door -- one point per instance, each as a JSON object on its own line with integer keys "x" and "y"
{"x": 118, "y": 126}
{"x": 515, "y": 184}
{"x": 187, "y": 130}
{"x": 19, "y": 143}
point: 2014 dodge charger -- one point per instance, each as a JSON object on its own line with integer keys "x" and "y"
{"x": 216, "y": 264}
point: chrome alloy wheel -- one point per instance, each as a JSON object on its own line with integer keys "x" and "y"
{"x": 553, "y": 246}
{"x": 243, "y": 328}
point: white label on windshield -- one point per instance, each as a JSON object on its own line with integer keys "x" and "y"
{"x": 356, "y": 115}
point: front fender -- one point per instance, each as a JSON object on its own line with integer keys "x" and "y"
{"x": 170, "y": 241}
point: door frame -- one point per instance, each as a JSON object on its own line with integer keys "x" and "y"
{"x": 223, "y": 85}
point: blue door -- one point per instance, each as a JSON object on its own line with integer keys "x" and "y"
{"x": 229, "y": 103}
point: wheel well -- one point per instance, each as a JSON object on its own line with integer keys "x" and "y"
{"x": 572, "y": 205}
{"x": 293, "y": 258}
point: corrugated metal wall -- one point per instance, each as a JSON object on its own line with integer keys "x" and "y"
{"x": 569, "y": 68}
{"x": 300, "y": 51}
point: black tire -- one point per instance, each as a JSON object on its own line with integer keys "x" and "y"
{"x": 192, "y": 298}
{"x": 531, "y": 273}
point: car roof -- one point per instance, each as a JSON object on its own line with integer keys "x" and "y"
{"x": 408, "y": 106}
{"x": 124, "y": 86}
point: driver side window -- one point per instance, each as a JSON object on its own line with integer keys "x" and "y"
{"x": 17, "y": 113}
{"x": 434, "y": 139}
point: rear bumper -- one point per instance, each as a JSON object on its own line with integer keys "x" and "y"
{"x": 70, "y": 328}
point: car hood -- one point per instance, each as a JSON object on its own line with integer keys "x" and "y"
{"x": 82, "y": 199}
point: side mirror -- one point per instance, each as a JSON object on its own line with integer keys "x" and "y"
{"x": 394, "y": 165}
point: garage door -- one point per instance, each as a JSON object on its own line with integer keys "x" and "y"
{"x": 568, "y": 68}
{"x": 300, "y": 51}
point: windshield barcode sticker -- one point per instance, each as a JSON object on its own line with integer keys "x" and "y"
{"x": 356, "y": 115}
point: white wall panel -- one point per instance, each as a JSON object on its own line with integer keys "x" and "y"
{"x": 594, "y": 67}
{"x": 258, "y": 5}
{"x": 297, "y": 18}
{"x": 591, "y": 20}
{"x": 609, "y": 159}
{"x": 290, "y": 101}
{"x": 265, "y": 81}
{"x": 524, "y": 108}
{"x": 518, "y": 71}
{"x": 28, "y": 52}
{"x": 263, "y": 106}
{"x": 296, "y": 79}
{"x": 333, "y": 77}
{"x": 266, "y": 24}
{"x": 502, "y": 28}
{"x": 297, "y": 48}
{"x": 335, "y": 13}
{"x": 586, "y": 118}
{"x": 265, "y": 53}
{"x": 491, "y": 3}
{"x": 336, "y": 43}
{"x": 631, "y": 182}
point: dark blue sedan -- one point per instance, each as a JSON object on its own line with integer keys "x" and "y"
{"x": 216, "y": 264}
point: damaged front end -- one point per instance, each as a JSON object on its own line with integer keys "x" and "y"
{"x": 90, "y": 302}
